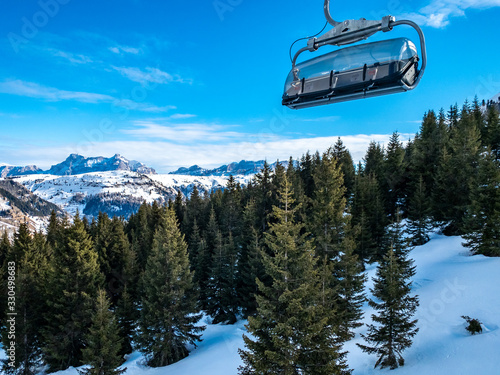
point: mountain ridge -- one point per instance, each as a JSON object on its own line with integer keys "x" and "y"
{"x": 77, "y": 164}
{"x": 241, "y": 168}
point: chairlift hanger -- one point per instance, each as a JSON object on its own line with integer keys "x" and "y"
{"x": 311, "y": 84}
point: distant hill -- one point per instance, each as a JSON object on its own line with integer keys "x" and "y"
{"x": 14, "y": 196}
{"x": 8, "y": 171}
{"x": 242, "y": 168}
{"x": 78, "y": 164}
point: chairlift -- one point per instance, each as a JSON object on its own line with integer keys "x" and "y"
{"x": 355, "y": 72}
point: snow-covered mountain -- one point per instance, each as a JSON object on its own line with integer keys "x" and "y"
{"x": 8, "y": 170}
{"x": 118, "y": 193}
{"x": 18, "y": 204}
{"x": 242, "y": 168}
{"x": 78, "y": 164}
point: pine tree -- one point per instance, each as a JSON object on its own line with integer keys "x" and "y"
{"x": 419, "y": 214}
{"x": 483, "y": 218}
{"x": 263, "y": 198}
{"x": 291, "y": 329}
{"x": 349, "y": 291}
{"x": 395, "y": 308}
{"x": 374, "y": 162}
{"x": 394, "y": 175}
{"x": 344, "y": 158}
{"x": 249, "y": 265}
{"x": 73, "y": 280}
{"x": 428, "y": 149}
{"x": 368, "y": 214}
{"x": 167, "y": 320}
{"x": 29, "y": 256}
{"x": 103, "y": 341}
{"x": 457, "y": 172}
{"x": 222, "y": 302}
{"x": 493, "y": 130}
{"x": 327, "y": 220}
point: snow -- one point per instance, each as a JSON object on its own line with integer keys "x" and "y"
{"x": 69, "y": 192}
{"x": 450, "y": 283}
{"x": 4, "y": 204}
{"x": 206, "y": 182}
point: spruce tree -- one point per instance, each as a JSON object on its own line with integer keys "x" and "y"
{"x": 73, "y": 280}
{"x": 394, "y": 175}
{"x": 395, "y": 327}
{"x": 29, "y": 256}
{"x": 168, "y": 318}
{"x": 344, "y": 159}
{"x": 368, "y": 214}
{"x": 482, "y": 221}
{"x": 249, "y": 265}
{"x": 419, "y": 214}
{"x": 493, "y": 130}
{"x": 291, "y": 330}
{"x": 222, "y": 302}
{"x": 327, "y": 220}
{"x": 349, "y": 289}
{"x": 103, "y": 341}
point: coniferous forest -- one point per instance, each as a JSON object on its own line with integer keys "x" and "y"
{"x": 287, "y": 251}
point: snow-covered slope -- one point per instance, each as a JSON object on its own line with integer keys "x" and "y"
{"x": 449, "y": 282}
{"x": 114, "y": 192}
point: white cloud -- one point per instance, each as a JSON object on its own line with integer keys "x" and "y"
{"x": 71, "y": 57}
{"x": 439, "y": 12}
{"x": 181, "y": 116}
{"x": 125, "y": 49}
{"x": 167, "y": 156}
{"x": 184, "y": 132}
{"x": 34, "y": 90}
{"x": 52, "y": 94}
{"x": 149, "y": 75}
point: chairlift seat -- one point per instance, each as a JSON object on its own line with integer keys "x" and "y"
{"x": 356, "y": 72}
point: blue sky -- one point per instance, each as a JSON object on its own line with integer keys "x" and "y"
{"x": 200, "y": 82}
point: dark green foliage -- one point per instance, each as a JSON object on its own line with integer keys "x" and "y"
{"x": 474, "y": 325}
{"x": 395, "y": 308}
{"x": 458, "y": 172}
{"x": 167, "y": 319}
{"x": 263, "y": 196}
{"x": 249, "y": 266}
{"x": 222, "y": 301}
{"x": 73, "y": 280}
{"x": 349, "y": 290}
{"x": 482, "y": 221}
{"x": 103, "y": 341}
{"x": 327, "y": 220}
{"x": 419, "y": 214}
{"x": 394, "y": 178}
{"x": 492, "y": 130}
{"x": 28, "y": 256}
{"x": 116, "y": 259}
{"x": 346, "y": 163}
{"x": 291, "y": 328}
{"x": 395, "y": 240}
{"x": 368, "y": 214}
